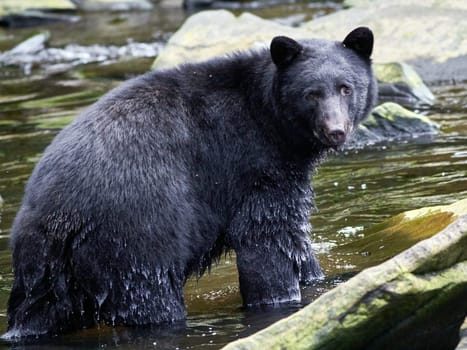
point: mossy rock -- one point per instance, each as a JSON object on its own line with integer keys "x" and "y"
{"x": 415, "y": 300}
{"x": 391, "y": 121}
{"x": 18, "y": 6}
{"x": 209, "y": 34}
{"x": 399, "y": 82}
{"x": 402, "y": 231}
{"x": 29, "y": 13}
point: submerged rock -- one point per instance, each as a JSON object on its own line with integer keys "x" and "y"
{"x": 415, "y": 300}
{"x": 32, "y": 52}
{"x": 112, "y": 5}
{"x": 30, "y": 46}
{"x": 400, "y": 232}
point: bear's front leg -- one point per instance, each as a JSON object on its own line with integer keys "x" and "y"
{"x": 267, "y": 275}
{"x": 269, "y": 234}
{"x": 310, "y": 269}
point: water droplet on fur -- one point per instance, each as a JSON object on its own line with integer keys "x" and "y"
{"x": 100, "y": 298}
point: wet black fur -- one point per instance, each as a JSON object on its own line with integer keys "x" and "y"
{"x": 163, "y": 174}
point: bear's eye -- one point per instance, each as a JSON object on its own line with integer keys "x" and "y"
{"x": 346, "y": 90}
{"x": 313, "y": 95}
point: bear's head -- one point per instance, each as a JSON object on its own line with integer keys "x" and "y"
{"x": 323, "y": 89}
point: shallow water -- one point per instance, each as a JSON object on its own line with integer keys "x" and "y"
{"x": 355, "y": 189}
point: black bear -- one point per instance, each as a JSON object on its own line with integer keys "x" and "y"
{"x": 171, "y": 169}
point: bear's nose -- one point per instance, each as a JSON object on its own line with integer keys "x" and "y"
{"x": 336, "y": 136}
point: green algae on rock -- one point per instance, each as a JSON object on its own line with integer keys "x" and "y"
{"x": 415, "y": 300}
{"x": 15, "y": 6}
{"x": 399, "y": 82}
{"x": 402, "y": 231}
{"x": 391, "y": 121}
{"x": 208, "y": 34}
{"x": 27, "y": 13}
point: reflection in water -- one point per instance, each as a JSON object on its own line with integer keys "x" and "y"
{"x": 354, "y": 189}
{"x": 213, "y": 329}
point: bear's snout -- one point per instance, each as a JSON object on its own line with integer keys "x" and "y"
{"x": 336, "y": 136}
{"x": 334, "y": 130}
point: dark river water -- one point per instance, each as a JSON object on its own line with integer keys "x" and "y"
{"x": 355, "y": 189}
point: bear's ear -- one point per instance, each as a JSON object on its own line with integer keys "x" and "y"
{"x": 284, "y": 50}
{"x": 360, "y": 40}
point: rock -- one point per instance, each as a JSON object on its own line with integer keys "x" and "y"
{"x": 417, "y": 32}
{"x": 401, "y": 231}
{"x": 399, "y": 82}
{"x": 31, "y": 18}
{"x": 209, "y": 34}
{"x": 33, "y": 52}
{"x": 463, "y": 335}
{"x": 27, "y": 13}
{"x": 391, "y": 121}
{"x": 30, "y": 46}
{"x": 416, "y": 300}
{"x": 112, "y": 5}
{"x": 15, "y": 6}
{"x": 440, "y": 4}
